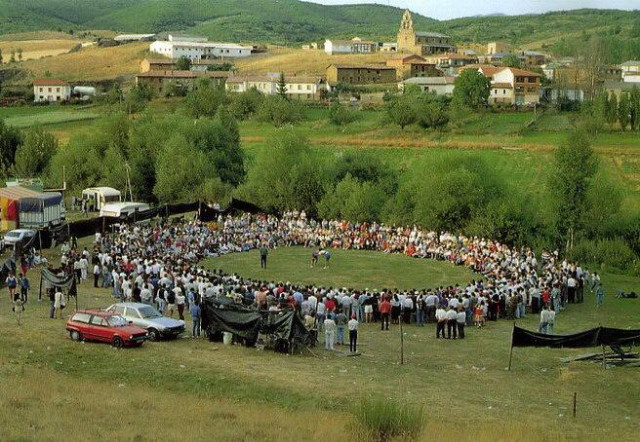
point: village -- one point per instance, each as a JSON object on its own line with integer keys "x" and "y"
{"x": 427, "y": 60}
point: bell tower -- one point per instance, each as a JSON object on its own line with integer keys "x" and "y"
{"x": 406, "y": 35}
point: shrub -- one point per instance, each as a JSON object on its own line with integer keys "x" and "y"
{"x": 379, "y": 419}
{"x": 341, "y": 115}
{"x": 608, "y": 253}
{"x": 279, "y": 111}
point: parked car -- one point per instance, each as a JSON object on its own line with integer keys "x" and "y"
{"x": 92, "y": 325}
{"x": 19, "y": 235}
{"x": 145, "y": 316}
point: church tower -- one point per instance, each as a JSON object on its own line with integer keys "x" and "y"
{"x": 406, "y": 35}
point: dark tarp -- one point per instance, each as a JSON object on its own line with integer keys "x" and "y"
{"x": 176, "y": 209}
{"x": 222, "y": 314}
{"x": 207, "y": 214}
{"x": 35, "y": 204}
{"x": 66, "y": 283}
{"x": 589, "y": 338}
{"x": 287, "y": 326}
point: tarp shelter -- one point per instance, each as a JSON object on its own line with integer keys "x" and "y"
{"x": 52, "y": 278}
{"x": 21, "y": 207}
{"x": 221, "y": 314}
{"x": 590, "y": 338}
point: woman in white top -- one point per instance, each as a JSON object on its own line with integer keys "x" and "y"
{"x": 58, "y": 304}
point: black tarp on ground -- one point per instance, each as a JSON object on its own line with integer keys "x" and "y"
{"x": 221, "y": 314}
{"x": 589, "y": 338}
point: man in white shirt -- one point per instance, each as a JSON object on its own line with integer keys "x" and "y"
{"x": 544, "y": 320}
{"x": 441, "y": 318}
{"x": 353, "y": 333}
{"x": 452, "y": 323}
{"x": 329, "y": 332}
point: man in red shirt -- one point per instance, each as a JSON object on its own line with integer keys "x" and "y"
{"x": 385, "y": 309}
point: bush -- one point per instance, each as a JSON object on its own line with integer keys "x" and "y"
{"x": 245, "y": 104}
{"x": 341, "y": 115}
{"x": 606, "y": 254}
{"x": 279, "y": 111}
{"x": 379, "y": 419}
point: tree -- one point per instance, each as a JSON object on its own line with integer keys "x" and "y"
{"x": 183, "y": 64}
{"x": 281, "y": 87}
{"x": 340, "y": 115}
{"x": 472, "y": 89}
{"x": 20, "y": 54}
{"x": 13, "y": 56}
{"x": 432, "y": 112}
{"x": 1, "y": 60}
{"x": 401, "y": 112}
{"x": 279, "y": 111}
{"x": 138, "y": 98}
{"x": 245, "y": 104}
{"x": 634, "y": 108}
{"x": 623, "y": 111}
{"x": 511, "y": 61}
{"x": 612, "y": 114}
{"x": 10, "y": 139}
{"x": 33, "y": 156}
{"x": 574, "y": 166}
{"x": 205, "y": 99}
{"x": 286, "y": 174}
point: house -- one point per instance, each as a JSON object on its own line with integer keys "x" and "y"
{"x": 497, "y": 57}
{"x": 304, "y": 88}
{"x": 630, "y": 71}
{"x": 421, "y": 43}
{"x": 389, "y": 47}
{"x": 413, "y": 66}
{"x": 510, "y": 85}
{"x": 449, "y": 60}
{"x": 168, "y": 64}
{"x": 515, "y": 86}
{"x": 50, "y": 90}
{"x": 127, "y": 38}
{"x": 497, "y": 46}
{"x": 533, "y": 58}
{"x": 161, "y": 82}
{"x": 436, "y": 85}
{"x": 354, "y": 46}
{"x": 196, "y": 51}
{"x": 360, "y": 75}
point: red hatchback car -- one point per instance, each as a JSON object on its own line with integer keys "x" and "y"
{"x": 106, "y": 327}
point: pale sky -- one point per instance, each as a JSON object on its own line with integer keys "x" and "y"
{"x": 446, "y": 9}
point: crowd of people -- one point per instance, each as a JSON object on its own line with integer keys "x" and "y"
{"x": 159, "y": 265}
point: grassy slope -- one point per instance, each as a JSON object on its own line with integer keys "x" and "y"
{"x": 190, "y": 385}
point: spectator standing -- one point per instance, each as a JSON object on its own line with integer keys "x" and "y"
{"x": 353, "y": 334}
{"x": 329, "y": 332}
{"x": 264, "y": 252}
{"x": 441, "y": 318}
{"x": 25, "y": 286}
{"x": 341, "y": 322}
{"x": 461, "y": 319}
{"x": 452, "y": 323}
{"x": 385, "y": 312}
{"x": 194, "y": 311}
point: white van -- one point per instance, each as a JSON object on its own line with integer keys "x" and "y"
{"x": 116, "y": 210}
{"x": 99, "y": 196}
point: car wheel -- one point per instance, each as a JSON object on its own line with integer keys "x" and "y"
{"x": 75, "y": 336}
{"x": 117, "y": 342}
{"x": 154, "y": 335}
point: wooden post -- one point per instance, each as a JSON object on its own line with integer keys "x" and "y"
{"x": 575, "y": 404}
{"x": 40, "y": 291}
{"x": 511, "y": 349}
{"x": 604, "y": 361}
{"x": 401, "y": 341}
{"x": 104, "y": 221}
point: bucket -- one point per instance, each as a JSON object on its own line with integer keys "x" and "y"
{"x": 227, "y": 338}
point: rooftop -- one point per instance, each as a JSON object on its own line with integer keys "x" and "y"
{"x": 432, "y": 34}
{"x": 49, "y": 82}
{"x": 430, "y": 80}
{"x": 183, "y": 74}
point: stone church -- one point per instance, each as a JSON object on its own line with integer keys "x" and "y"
{"x": 421, "y": 43}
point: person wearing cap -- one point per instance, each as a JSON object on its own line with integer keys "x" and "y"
{"x": 353, "y": 334}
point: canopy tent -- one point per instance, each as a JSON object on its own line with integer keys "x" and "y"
{"x": 38, "y": 202}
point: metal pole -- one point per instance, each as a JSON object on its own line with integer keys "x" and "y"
{"x": 40, "y": 291}
{"x": 401, "y": 341}
{"x": 575, "y": 404}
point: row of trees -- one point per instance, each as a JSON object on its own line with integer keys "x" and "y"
{"x": 15, "y": 55}
{"x": 607, "y": 109}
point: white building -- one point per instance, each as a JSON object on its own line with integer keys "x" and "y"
{"x": 50, "y": 90}
{"x": 631, "y": 71}
{"x": 187, "y": 38}
{"x": 298, "y": 87}
{"x": 124, "y": 38}
{"x": 436, "y": 85}
{"x": 355, "y": 46}
{"x": 196, "y": 51}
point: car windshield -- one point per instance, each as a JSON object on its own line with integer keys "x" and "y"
{"x": 117, "y": 321}
{"x": 12, "y": 235}
{"x": 148, "y": 312}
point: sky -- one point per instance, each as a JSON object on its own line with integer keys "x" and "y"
{"x": 446, "y": 9}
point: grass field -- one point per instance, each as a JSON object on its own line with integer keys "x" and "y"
{"x": 356, "y": 269}
{"x": 193, "y": 389}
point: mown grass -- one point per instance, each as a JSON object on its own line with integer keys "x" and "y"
{"x": 50, "y": 383}
{"x": 354, "y": 269}
{"x": 57, "y": 117}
